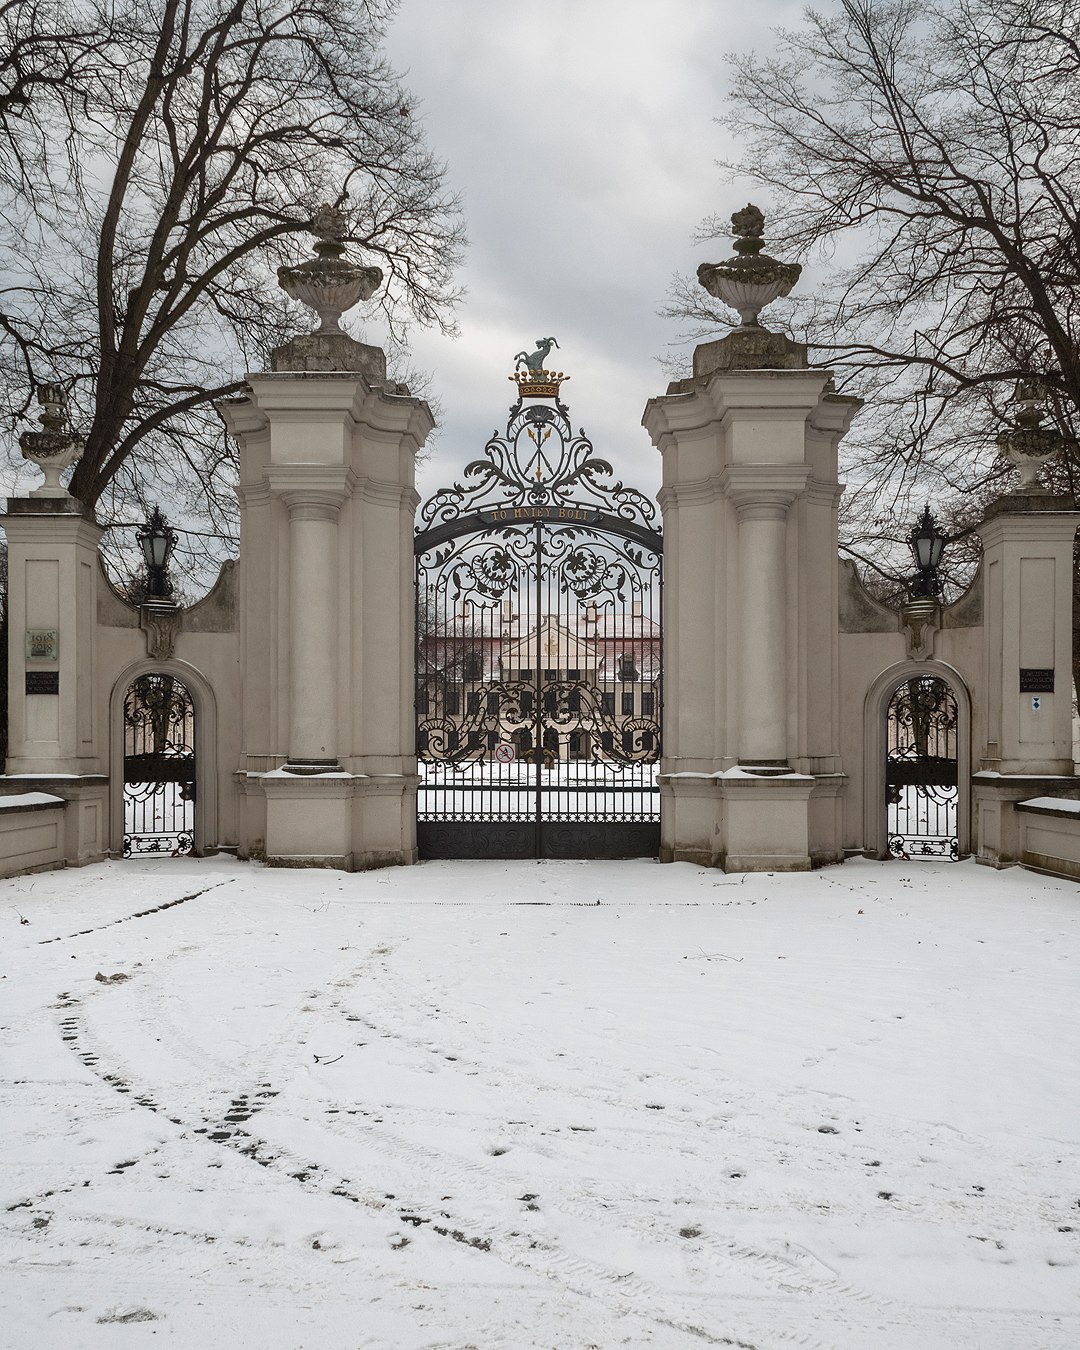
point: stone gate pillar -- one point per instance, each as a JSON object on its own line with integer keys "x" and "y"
{"x": 327, "y": 500}
{"x": 1027, "y": 542}
{"x": 751, "y": 774}
{"x": 57, "y": 740}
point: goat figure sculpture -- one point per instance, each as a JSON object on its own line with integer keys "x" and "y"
{"x": 535, "y": 360}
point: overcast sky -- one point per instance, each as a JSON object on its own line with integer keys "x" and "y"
{"x": 581, "y": 137}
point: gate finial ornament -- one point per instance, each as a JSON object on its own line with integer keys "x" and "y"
{"x": 751, "y": 280}
{"x": 55, "y": 447}
{"x": 1028, "y": 444}
{"x": 532, "y": 380}
{"x": 534, "y": 361}
{"x": 329, "y": 283}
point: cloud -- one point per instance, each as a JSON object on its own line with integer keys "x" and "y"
{"x": 581, "y": 135}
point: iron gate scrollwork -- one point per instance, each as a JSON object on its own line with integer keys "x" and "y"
{"x": 538, "y": 650}
{"x": 921, "y": 770}
{"x": 159, "y": 767}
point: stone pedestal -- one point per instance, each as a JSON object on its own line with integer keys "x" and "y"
{"x": 56, "y": 742}
{"x": 1027, "y": 564}
{"x": 751, "y": 767}
{"x": 328, "y": 770}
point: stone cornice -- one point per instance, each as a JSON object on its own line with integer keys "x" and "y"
{"x": 699, "y": 493}
{"x": 382, "y": 493}
{"x": 835, "y": 414}
{"x": 779, "y": 394}
{"x": 1054, "y": 524}
{"x": 746, "y": 484}
{"x": 332, "y": 480}
{"x": 36, "y": 527}
{"x": 242, "y": 416}
{"x": 305, "y": 504}
{"x": 255, "y": 494}
{"x": 292, "y": 395}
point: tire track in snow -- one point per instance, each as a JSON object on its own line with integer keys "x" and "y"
{"x": 625, "y": 1293}
{"x": 139, "y": 914}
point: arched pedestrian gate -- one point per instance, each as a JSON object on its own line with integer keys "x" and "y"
{"x": 159, "y": 767}
{"x": 921, "y": 781}
{"x": 538, "y": 591}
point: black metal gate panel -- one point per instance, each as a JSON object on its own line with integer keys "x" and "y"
{"x": 159, "y": 767}
{"x": 538, "y": 699}
{"x": 921, "y": 782}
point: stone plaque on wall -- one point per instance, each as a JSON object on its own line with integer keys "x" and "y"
{"x": 1036, "y": 680}
{"x": 42, "y": 681}
{"x": 42, "y": 644}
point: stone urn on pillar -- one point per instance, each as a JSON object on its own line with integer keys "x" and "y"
{"x": 1028, "y": 445}
{"x": 747, "y": 283}
{"x": 751, "y": 280}
{"x": 55, "y": 447}
{"x": 330, "y": 283}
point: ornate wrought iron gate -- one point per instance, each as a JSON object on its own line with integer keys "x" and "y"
{"x": 159, "y": 767}
{"x": 538, "y": 583}
{"x": 921, "y": 770}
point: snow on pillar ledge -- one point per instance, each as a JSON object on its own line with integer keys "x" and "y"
{"x": 751, "y": 748}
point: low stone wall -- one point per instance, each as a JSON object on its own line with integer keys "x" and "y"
{"x": 1050, "y": 835}
{"x": 31, "y": 832}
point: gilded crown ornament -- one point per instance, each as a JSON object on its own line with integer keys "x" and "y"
{"x": 751, "y": 279}
{"x": 531, "y": 378}
{"x": 329, "y": 283}
{"x": 1028, "y": 444}
{"x": 55, "y": 447}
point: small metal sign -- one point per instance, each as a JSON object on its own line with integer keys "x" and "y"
{"x": 42, "y": 644}
{"x": 1036, "y": 680}
{"x": 505, "y": 753}
{"x": 42, "y": 681}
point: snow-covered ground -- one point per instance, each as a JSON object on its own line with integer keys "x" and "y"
{"x": 539, "y": 1105}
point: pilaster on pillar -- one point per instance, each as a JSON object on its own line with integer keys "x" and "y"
{"x": 1028, "y": 565}
{"x": 52, "y": 589}
{"x": 313, "y": 624}
{"x": 761, "y": 509}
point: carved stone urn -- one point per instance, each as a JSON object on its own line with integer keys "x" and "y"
{"x": 55, "y": 447}
{"x": 1028, "y": 445}
{"x": 328, "y": 283}
{"x": 751, "y": 280}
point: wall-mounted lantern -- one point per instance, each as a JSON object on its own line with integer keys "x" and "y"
{"x": 927, "y": 542}
{"x": 157, "y": 542}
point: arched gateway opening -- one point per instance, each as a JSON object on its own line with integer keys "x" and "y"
{"x": 538, "y": 591}
{"x": 921, "y": 770}
{"x": 159, "y": 766}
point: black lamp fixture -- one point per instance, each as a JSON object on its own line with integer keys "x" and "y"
{"x": 157, "y": 542}
{"x": 927, "y": 542}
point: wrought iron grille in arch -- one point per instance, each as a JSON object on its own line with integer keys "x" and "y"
{"x": 922, "y": 790}
{"x": 159, "y": 767}
{"x": 539, "y": 682}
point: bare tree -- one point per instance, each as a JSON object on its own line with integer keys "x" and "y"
{"x": 148, "y": 195}
{"x": 927, "y": 157}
